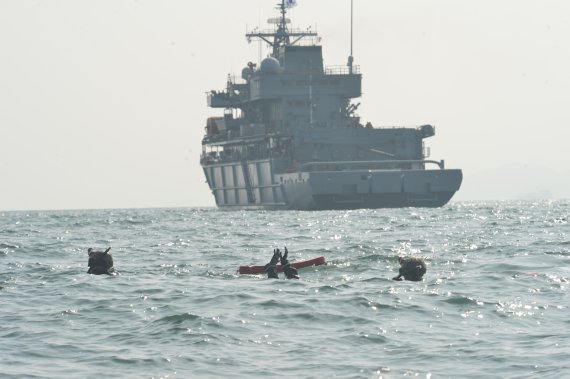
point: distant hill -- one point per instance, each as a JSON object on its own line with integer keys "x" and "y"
{"x": 515, "y": 182}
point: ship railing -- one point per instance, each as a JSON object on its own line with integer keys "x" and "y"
{"x": 367, "y": 165}
{"x": 222, "y": 99}
{"x": 341, "y": 70}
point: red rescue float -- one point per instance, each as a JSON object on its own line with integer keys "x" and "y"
{"x": 255, "y": 270}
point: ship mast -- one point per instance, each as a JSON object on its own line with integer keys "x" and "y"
{"x": 282, "y": 36}
{"x": 350, "y": 57}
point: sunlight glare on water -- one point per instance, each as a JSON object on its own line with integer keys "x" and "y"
{"x": 493, "y": 303}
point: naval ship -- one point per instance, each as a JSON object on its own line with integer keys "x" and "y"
{"x": 288, "y": 136}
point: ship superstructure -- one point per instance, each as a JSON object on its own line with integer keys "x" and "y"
{"x": 290, "y": 137}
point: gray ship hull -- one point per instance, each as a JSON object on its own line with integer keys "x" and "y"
{"x": 370, "y": 189}
{"x": 253, "y": 185}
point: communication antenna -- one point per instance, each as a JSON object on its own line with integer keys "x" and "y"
{"x": 350, "y": 57}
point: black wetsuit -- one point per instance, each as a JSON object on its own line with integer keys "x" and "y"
{"x": 290, "y": 271}
{"x": 100, "y": 262}
{"x": 271, "y": 267}
{"x": 411, "y": 269}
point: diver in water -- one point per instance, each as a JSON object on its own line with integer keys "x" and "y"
{"x": 290, "y": 271}
{"x": 271, "y": 267}
{"x": 411, "y": 268}
{"x": 100, "y": 262}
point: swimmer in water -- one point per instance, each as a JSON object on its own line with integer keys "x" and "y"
{"x": 271, "y": 267}
{"x": 100, "y": 262}
{"x": 411, "y": 268}
{"x": 290, "y": 271}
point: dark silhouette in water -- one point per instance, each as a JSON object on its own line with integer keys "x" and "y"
{"x": 271, "y": 267}
{"x": 290, "y": 271}
{"x": 411, "y": 268}
{"x": 100, "y": 262}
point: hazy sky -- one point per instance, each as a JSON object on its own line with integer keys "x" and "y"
{"x": 102, "y": 103}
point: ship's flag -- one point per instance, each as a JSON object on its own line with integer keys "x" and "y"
{"x": 290, "y": 3}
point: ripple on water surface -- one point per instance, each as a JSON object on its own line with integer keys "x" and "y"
{"x": 494, "y": 301}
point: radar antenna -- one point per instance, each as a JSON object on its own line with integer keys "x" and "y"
{"x": 350, "y": 57}
{"x": 282, "y": 36}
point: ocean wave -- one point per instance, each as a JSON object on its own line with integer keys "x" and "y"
{"x": 497, "y": 280}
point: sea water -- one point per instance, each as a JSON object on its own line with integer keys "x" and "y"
{"x": 493, "y": 304}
